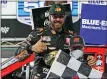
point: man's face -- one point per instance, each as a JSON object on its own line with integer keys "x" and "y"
{"x": 57, "y": 21}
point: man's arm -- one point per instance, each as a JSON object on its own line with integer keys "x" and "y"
{"x": 24, "y": 49}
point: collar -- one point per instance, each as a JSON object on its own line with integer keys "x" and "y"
{"x": 60, "y": 32}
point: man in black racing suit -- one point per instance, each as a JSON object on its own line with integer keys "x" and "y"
{"x": 48, "y": 39}
{"x": 53, "y": 40}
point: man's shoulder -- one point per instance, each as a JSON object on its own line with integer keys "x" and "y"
{"x": 68, "y": 32}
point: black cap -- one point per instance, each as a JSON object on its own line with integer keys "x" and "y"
{"x": 77, "y": 41}
{"x": 57, "y": 9}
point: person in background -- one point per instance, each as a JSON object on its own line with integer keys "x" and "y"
{"x": 42, "y": 42}
{"x": 77, "y": 46}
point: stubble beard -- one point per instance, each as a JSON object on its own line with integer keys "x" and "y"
{"x": 57, "y": 26}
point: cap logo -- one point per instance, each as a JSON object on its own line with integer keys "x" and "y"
{"x": 58, "y": 9}
{"x": 76, "y": 39}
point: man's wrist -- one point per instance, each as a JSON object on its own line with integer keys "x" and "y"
{"x": 32, "y": 48}
{"x": 30, "y": 51}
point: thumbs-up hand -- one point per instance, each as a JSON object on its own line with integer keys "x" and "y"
{"x": 39, "y": 46}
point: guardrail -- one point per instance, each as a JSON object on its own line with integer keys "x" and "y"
{"x": 12, "y": 39}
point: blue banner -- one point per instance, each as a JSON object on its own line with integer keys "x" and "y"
{"x": 94, "y": 24}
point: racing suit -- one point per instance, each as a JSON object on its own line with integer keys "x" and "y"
{"x": 55, "y": 41}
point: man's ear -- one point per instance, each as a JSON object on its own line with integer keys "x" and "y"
{"x": 65, "y": 17}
